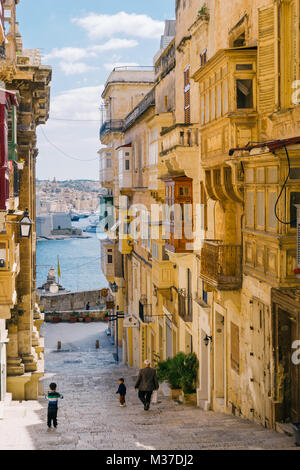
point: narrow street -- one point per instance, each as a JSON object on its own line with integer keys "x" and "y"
{"x": 90, "y": 417}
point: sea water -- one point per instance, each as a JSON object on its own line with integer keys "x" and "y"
{"x": 79, "y": 259}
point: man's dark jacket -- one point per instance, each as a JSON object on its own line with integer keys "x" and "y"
{"x": 147, "y": 380}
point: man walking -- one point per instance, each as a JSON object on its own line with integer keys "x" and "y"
{"x": 146, "y": 383}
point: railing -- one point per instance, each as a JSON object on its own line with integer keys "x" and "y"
{"x": 221, "y": 264}
{"x": 148, "y": 100}
{"x": 114, "y": 125}
{"x": 180, "y": 135}
{"x": 145, "y": 312}
{"x": 136, "y": 68}
{"x": 185, "y": 307}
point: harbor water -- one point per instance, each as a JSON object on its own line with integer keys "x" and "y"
{"x": 79, "y": 259}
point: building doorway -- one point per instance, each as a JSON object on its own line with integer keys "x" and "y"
{"x": 219, "y": 355}
{"x": 204, "y": 369}
{"x": 286, "y": 327}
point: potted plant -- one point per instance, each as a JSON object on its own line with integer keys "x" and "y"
{"x": 106, "y": 317}
{"x": 74, "y": 318}
{"x": 171, "y": 371}
{"x": 87, "y": 319}
{"x": 55, "y": 318}
{"x": 189, "y": 378}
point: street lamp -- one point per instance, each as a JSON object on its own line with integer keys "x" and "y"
{"x": 207, "y": 339}
{"x": 25, "y": 225}
{"x": 114, "y": 287}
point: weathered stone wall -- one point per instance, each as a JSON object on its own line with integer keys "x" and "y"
{"x": 71, "y": 301}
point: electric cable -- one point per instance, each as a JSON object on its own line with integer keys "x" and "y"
{"x": 283, "y": 188}
{"x": 64, "y": 153}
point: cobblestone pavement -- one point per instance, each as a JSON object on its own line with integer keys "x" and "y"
{"x": 90, "y": 416}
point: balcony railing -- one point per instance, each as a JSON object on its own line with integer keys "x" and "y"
{"x": 141, "y": 108}
{"x": 185, "y": 307}
{"x": 221, "y": 264}
{"x": 180, "y": 135}
{"x": 114, "y": 125}
{"x": 145, "y": 312}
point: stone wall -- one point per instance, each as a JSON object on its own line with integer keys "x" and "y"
{"x": 71, "y": 301}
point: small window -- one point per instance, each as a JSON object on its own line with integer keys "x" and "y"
{"x": 127, "y": 165}
{"x": 109, "y": 259}
{"x": 203, "y": 58}
{"x": 244, "y": 67}
{"x": 295, "y": 174}
{"x": 240, "y": 41}
{"x": 108, "y": 163}
{"x": 244, "y": 90}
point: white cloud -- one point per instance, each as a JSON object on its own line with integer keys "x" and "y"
{"x": 111, "y": 66}
{"x": 78, "y": 103}
{"x": 73, "y": 54}
{"x": 70, "y": 54}
{"x": 132, "y": 24}
{"x": 114, "y": 44}
{"x": 75, "y": 68}
{"x": 80, "y": 140}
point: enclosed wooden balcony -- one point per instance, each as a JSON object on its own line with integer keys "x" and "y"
{"x": 162, "y": 274}
{"x": 9, "y": 269}
{"x": 221, "y": 265}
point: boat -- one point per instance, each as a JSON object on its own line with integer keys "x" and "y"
{"x": 91, "y": 228}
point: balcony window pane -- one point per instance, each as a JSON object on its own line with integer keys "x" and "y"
{"x": 219, "y": 100}
{"x": 202, "y": 109}
{"x": 260, "y": 208}
{"x": 207, "y": 110}
{"x": 249, "y": 208}
{"x": 225, "y": 97}
{"x": 244, "y": 94}
{"x": 213, "y": 104}
{"x": 272, "y": 217}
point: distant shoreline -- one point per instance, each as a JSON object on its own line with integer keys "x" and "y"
{"x": 63, "y": 237}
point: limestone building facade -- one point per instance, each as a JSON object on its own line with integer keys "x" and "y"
{"x": 24, "y": 105}
{"x": 218, "y": 135}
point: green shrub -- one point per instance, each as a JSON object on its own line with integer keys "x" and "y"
{"x": 180, "y": 372}
{"x": 189, "y": 376}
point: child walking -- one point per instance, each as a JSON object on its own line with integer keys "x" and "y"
{"x": 52, "y": 397}
{"x": 122, "y": 392}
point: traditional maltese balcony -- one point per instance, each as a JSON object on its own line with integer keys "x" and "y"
{"x": 180, "y": 148}
{"x": 221, "y": 265}
{"x": 162, "y": 267}
{"x": 9, "y": 269}
{"x": 106, "y": 167}
{"x": 111, "y": 260}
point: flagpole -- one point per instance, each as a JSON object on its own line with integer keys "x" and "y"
{"x": 58, "y": 269}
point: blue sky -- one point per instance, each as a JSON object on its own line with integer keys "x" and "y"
{"x": 82, "y": 43}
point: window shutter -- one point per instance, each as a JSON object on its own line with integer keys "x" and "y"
{"x": 295, "y": 58}
{"x": 266, "y": 60}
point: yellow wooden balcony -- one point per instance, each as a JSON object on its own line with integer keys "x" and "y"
{"x": 162, "y": 274}
{"x": 221, "y": 265}
{"x": 9, "y": 269}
